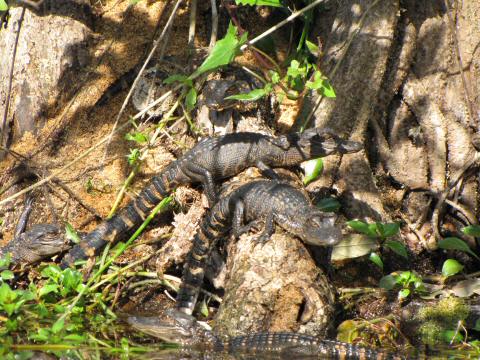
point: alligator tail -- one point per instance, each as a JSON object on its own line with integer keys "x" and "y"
{"x": 296, "y": 345}
{"x": 212, "y": 228}
{"x": 129, "y": 218}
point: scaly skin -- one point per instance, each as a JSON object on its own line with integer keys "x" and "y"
{"x": 41, "y": 241}
{"x": 213, "y": 159}
{"x": 182, "y": 329}
{"x": 272, "y": 201}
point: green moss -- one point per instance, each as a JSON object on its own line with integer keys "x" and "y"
{"x": 441, "y": 318}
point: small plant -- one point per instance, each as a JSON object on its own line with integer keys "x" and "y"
{"x": 380, "y": 231}
{"x": 409, "y": 282}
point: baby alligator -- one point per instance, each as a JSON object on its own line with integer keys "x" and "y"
{"x": 213, "y": 159}
{"x": 182, "y": 329}
{"x": 41, "y": 241}
{"x": 272, "y": 201}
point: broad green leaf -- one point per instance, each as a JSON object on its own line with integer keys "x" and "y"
{"x": 451, "y": 267}
{"x": 276, "y": 3}
{"x": 453, "y": 243}
{"x": 75, "y": 338}
{"x": 353, "y": 246}
{"x": 47, "y": 289}
{"x": 274, "y": 77}
{"x": 6, "y": 294}
{"x": 362, "y": 227}
{"x": 388, "y": 282}
{"x": 58, "y": 325}
{"x": 5, "y": 260}
{"x": 329, "y": 205}
{"x": 138, "y": 137}
{"x": 7, "y": 275}
{"x": 3, "y": 5}
{"x": 253, "y": 95}
{"x": 191, "y": 99}
{"x": 71, "y": 233}
{"x": 317, "y": 81}
{"x": 388, "y": 229}
{"x": 223, "y": 53}
{"x": 403, "y": 294}
{"x": 377, "y": 260}
{"x": 397, "y": 247}
{"x": 312, "y": 48}
{"x": 477, "y": 325}
{"x": 327, "y": 89}
{"x": 472, "y": 230}
{"x": 452, "y": 336}
{"x": 313, "y": 168}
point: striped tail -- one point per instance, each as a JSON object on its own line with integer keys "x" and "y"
{"x": 214, "y": 226}
{"x": 294, "y": 345}
{"x": 126, "y": 220}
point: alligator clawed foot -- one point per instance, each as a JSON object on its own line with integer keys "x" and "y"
{"x": 261, "y": 240}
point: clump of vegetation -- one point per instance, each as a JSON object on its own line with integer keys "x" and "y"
{"x": 442, "y": 322}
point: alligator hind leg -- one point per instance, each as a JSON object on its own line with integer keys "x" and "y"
{"x": 237, "y": 221}
{"x": 268, "y": 230}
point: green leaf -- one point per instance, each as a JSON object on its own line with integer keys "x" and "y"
{"x": 403, "y": 294}
{"x": 5, "y": 260}
{"x": 388, "y": 229}
{"x": 71, "y": 233}
{"x": 313, "y": 48}
{"x": 3, "y": 5}
{"x": 253, "y": 95}
{"x": 451, "y": 267}
{"x": 47, "y": 289}
{"x": 362, "y": 227}
{"x": 329, "y": 205}
{"x": 174, "y": 78}
{"x": 313, "y": 168}
{"x": 353, "y": 246}
{"x": 327, "y": 89}
{"x": 453, "y": 243}
{"x": 472, "y": 230}
{"x": 224, "y": 51}
{"x": 191, "y": 99}
{"x": 397, "y": 247}
{"x": 377, "y": 260}
{"x": 477, "y": 325}
{"x": 58, "y": 325}
{"x": 75, "y": 338}
{"x": 388, "y": 282}
{"x": 138, "y": 137}
{"x": 7, "y": 275}
{"x": 133, "y": 156}
{"x": 276, "y": 3}
{"x": 452, "y": 336}
{"x": 274, "y": 77}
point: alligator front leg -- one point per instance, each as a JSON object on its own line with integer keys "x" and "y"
{"x": 206, "y": 178}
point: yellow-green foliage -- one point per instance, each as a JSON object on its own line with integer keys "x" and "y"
{"x": 440, "y": 318}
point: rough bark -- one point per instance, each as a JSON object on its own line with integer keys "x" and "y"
{"x": 275, "y": 287}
